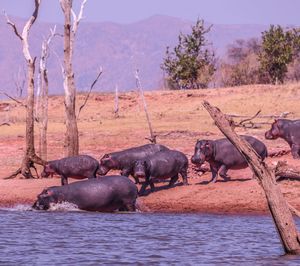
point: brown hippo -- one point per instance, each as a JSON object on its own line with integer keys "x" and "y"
{"x": 289, "y": 130}
{"x": 222, "y": 155}
{"x": 161, "y": 165}
{"x": 124, "y": 160}
{"x": 78, "y": 167}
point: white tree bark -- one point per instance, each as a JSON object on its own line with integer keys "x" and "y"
{"x": 70, "y": 29}
{"x": 29, "y": 157}
{"x": 42, "y": 96}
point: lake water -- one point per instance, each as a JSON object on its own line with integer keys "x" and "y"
{"x": 85, "y": 238}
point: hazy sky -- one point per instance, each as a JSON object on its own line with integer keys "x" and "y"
{"x": 127, "y": 11}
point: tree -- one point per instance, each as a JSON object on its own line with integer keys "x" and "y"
{"x": 30, "y": 156}
{"x": 70, "y": 29}
{"x": 277, "y": 52}
{"x": 241, "y": 66}
{"x": 41, "y": 115}
{"x": 191, "y": 64}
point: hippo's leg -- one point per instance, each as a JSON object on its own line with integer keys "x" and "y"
{"x": 129, "y": 206}
{"x": 183, "y": 173}
{"x": 127, "y": 172}
{"x": 143, "y": 188}
{"x": 173, "y": 180}
{"x": 64, "y": 180}
{"x": 214, "y": 173}
{"x": 223, "y": 172}
{"x": 151, "y": 184}
{"x": 295, "y": 151}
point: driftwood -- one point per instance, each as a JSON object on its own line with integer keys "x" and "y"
{"x": 5, "y": 124}
{"x": 284, "y": 171}
{"x": 247, "y": 121}
{"x": 278, "y": 206}
{"x": 278, "y": 153}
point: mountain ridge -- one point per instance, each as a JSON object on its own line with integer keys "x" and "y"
{"x": 119, "y": 48}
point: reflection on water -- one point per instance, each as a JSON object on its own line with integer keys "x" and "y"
{"x": 85, "y": 238}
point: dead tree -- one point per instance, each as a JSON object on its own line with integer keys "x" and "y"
{"x": 41, "y": 113}
{"x": 116, "y": 110}
{"x": 30, "y": 156}
{"x": 152, "y": 138}
{"x": 278, "y": 206}
{"x": 70, "y": 29}
{"x": 89, "y": 93}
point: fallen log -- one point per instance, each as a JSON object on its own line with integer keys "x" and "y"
{"x": 277, "y": 204}
{"x": 278, "y": 153}
{"x": 285, "y": 171}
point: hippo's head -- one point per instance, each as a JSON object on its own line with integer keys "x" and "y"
{"x": 275, "y": 130}
{"x": 45, "y": 199}
{"x": 139, "y": 169}
{"x": 203, "y": 151}
{"x": 106, "y": 163}
{"x": 48, "y": 170}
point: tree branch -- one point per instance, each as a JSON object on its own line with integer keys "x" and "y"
{"x": 13, "y": 25}
{"x": 88, "y": 95}
{"x": 76, "y": 19}
{"x": 26, "y": 29}
{"x": 12, "y": 98}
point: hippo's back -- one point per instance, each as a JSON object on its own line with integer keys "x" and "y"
{"x": 106, "y": 193}
{"x": 225, "y": 151}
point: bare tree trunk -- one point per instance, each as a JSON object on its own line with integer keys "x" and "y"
{"x": 42, "y": 96}
{"x": 116, "y": 111}
{"x": 29, "y": 157}
{"x": 278, "y": 206}
{"x": 71, "y": 136}
{"x": 152, "y": 138}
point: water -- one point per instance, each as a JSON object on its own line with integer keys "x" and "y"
{"x": 85, "y": 238}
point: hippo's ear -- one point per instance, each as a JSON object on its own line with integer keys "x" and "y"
{"x": 105, "y": 157}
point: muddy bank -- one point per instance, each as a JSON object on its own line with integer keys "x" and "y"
{"x": 241, "y": 195}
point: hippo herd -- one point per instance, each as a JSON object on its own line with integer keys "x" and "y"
{"x": 148, "y": 163}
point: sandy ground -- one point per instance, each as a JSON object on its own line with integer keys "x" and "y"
{"x": 240, "y": 195}
{"x": 179, "y": 121}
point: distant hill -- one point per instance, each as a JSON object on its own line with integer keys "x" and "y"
{"x": 118, "y": 48}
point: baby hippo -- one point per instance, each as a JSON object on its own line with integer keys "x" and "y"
{"x": 222, "y": 155}
{"x": 161, "y": 165}
{"x": 78, "y": 167}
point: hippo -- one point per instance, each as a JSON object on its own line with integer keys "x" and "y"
{"x": 222, "y": 155}
{"x": 106, "y": 194}
{"x": 161, "y": 165}
{"x": 78, "y": 167}
{"x": 289, "y": 130}
{"x": 124, "y": 160}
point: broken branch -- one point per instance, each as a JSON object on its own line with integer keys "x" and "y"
{"x": 88, "y": 95}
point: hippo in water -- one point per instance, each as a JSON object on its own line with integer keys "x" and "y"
{"x": 289, "y": 130}
{"x": 106, "y": 194}
{"x": 222, "y": 155}
{"x": 161, "y": 165}
{"x": 124, "y": 160}
{"x": 78, "y": 167}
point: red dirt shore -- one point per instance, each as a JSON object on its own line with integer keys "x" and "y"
{"x": 240, "y": 195}
{"x": 178, "y": 120}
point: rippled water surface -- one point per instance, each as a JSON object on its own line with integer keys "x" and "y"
{"x": 84, "y": 238}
